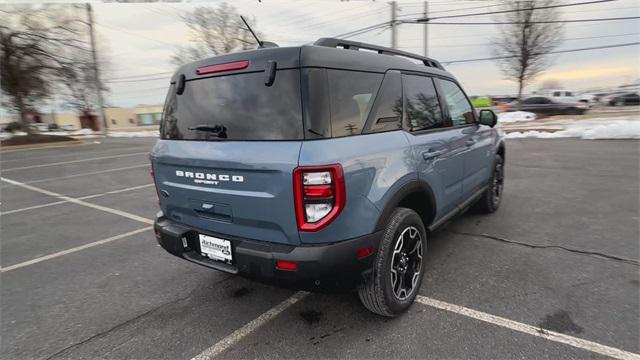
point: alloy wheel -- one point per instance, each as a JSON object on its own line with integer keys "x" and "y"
{"x": 498, "y": 183}
{"x": 406, "y": 263}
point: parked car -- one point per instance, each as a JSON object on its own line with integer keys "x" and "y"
{"x": 546, "y": 106}
{"x": 69, "y": 127}
{"x": 561, "y": 95}
{"x": 41, "y": 127}
{"x": 622, "y": 99}
{"x": 501, "y": 100}
{"x": 588, "y": 98}
{"x": 321, "y": 167}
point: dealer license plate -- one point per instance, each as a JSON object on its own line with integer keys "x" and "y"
{"x": 215, "y": 248}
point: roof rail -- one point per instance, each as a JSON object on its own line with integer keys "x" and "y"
{"x": 354, "y": 45}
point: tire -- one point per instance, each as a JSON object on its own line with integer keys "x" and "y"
{"x": 403, "y": 246}
{"x": 573, "y": 111}
{"x": 490, "y": 201}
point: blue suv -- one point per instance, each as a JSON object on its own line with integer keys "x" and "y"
{"x": 321, "y": 167}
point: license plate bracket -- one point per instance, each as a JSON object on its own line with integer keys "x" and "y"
{"x": 215, "y": 248}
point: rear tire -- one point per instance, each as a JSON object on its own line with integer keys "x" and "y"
{"x": 490, "y": 201}
{"x": 398, "y": 267}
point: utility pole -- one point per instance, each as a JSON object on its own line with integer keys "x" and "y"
{"x": 425, "y": 34}
{"x": 394, "y": 25}
{"x": 102, "y": 119}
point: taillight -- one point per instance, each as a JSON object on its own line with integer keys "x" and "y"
{"x": 319, "y": 195}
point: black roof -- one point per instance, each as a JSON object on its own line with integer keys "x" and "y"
{"x": 326, "y": 52}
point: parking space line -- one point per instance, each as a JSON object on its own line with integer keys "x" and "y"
{"x": 33, "y": 207}
{"x": 530, "y": 329}
{"x": 75, "y": 161}
{"x": 72, "y": 250}
{"x": 80, "y": 198}
{"x": 96, "y": 151}
{"x": 79, "y": 202}
{"x": 85, "y": 174}
{"x": 249, "y": 327}
{"x": 45, "y": 147}
{"x": 128, "y": 189}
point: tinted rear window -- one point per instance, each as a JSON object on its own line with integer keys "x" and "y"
{"x": 352, "y": 94}
{"x": 240, "y": 107}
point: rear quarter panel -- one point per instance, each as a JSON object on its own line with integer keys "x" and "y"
{"x": 374, "y": 165}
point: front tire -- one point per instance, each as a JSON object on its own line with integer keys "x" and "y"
{"x": 398, "y": 267}
{"x": 490, "y": 201}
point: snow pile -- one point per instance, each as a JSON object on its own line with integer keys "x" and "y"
{"x": 81, "y": 132}
{"x": 70, "y": 133}
{"x": 515, "y": 116}
{"x": 612, "y": 129}
{"x": 131, "y": 134}
{"x": 9, "y": 135}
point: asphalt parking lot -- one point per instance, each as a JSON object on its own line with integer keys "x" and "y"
{"x": 553, "y": 274}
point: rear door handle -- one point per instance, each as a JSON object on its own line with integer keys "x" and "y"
{"x": 470, "y": 142}
{"x": 432, "y": 154}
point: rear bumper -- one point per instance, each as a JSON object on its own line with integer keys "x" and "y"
{"x": 330, "y": 267}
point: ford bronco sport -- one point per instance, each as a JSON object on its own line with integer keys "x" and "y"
{"x": 320, "y": 167}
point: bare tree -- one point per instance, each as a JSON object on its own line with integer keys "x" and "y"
{"x": 214, "y": 31}
{"x": 44, "y": 49}
{"x": 524, "y": 44}
{"x": 80, "y": 84}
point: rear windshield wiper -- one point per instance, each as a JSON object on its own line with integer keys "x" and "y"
{"x": 219, "y": 130}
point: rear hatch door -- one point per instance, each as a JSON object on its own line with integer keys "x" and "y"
{"x": 228, "y": 147}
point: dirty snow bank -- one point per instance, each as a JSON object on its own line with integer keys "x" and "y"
{"x": 515, "y": 116}
{"x": 148, "y": 133}
{"x": 592, "y": 130}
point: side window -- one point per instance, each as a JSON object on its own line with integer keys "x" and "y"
{"x": 568, "y": 93}
{"x": 557, "y": 93}
{"x": 351, "y": 96}
{"x": 386, "y": 113}
{"x": 460, "y": 109}
{"x": 422, "y": 107}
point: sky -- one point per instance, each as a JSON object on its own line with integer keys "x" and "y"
{"x": 139, "y": 39}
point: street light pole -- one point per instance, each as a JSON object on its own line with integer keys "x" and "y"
{"x": 394, "y": 26}
{"x": 425, "y": 34}
{"x": 102, "y": 123}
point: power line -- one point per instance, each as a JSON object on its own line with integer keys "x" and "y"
{"x": 140, "y": 76}
{"x": 333, "y": 20}
{"x": 133, "y": 34}
{"x": 530, "y": 22}
{"x": 516, "y": 10}
{"x": 500, "y": 11}
{"x": 460, "y": 9}
{"x": 567, "y": 39}
{"x": 323, "y": 14}
{"x": 137, "y": 80}
{"x": 551, "y": 52}
{"x": 143, "y": 90}
{"x": 363, "y": 30}
{"x": 419, "y": 21}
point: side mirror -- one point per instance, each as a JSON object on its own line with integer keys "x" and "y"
{"x": 488, "y": 117}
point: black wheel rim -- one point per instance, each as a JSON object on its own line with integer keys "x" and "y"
{"x": 406, "y": 263}
{"x": 498, "y": 183}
